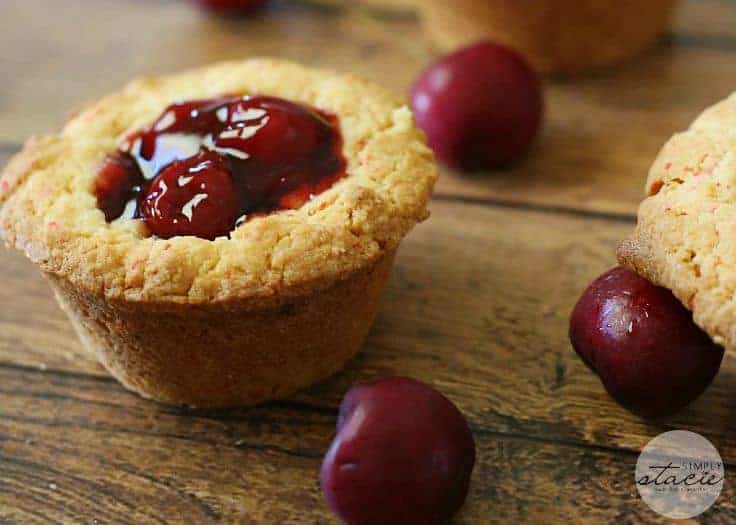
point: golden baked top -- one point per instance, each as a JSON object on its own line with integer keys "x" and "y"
{"x": 685, "y": 238}
{"x": 49, "y": 209}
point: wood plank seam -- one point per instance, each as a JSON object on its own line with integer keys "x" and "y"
{"x": 621, "y": 451}
{"x": 700, "y": 41}
{"x": 478, "y": 430}
{"x": 385, "y": 14}
{"x": 10, "y": 147}
{"x": 492, "y": 202}
{"x": 238, "y": 444}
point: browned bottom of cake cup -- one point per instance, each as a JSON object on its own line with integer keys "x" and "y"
{"x": 556, "y": 36}
{"x": 222, "y": 355}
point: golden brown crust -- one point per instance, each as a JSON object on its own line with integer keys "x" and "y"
{"x": 685, "y": 238}
{"x": 227, "y": 354}
{"x": 51, "y": 214}
{"x": 282, "y": 303}
{"x": 555, "y": 35}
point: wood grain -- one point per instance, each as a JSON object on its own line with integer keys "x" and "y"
{"x": 601, "y": 134}
{"x": 477, "y": 304}
{"x": 79, "y": 450}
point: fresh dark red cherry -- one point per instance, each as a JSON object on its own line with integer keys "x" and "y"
{"x": 480, "y": 107}
{"x": 277, "y": 154}
{"x": 195, "y": 196}
{"x": 403, "y": 455}
{"x": 118, "y": 182}
{"x": 237, "y": 6}
{"x": 642, "y": 343}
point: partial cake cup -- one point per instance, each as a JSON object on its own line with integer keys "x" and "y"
{"x": 227, "y": 353}
{"x": 283, "y": 302}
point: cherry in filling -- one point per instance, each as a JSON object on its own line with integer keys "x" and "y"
{"x": 206, "y": 165}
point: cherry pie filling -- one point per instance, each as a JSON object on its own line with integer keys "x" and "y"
{"x": 206, "y": 166}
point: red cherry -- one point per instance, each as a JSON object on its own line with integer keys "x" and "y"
{"x": 643, "y": 344}
{"x": 273, "y": 132}
{"x": 195, "y": 196}
{"x": 403, "y": 455}
{"x": 231, "y": 5}
{"x": 118, "y": 182}
{"x": 480, "y": 107}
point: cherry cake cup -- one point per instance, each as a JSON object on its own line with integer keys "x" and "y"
{"x": 222, "y": 237}
{"x": 556, "y": 36}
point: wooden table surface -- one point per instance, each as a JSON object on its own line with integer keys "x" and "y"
{"x": 477, "y": 305}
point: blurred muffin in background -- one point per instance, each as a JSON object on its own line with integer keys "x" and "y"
{"x": 557, "y": 36}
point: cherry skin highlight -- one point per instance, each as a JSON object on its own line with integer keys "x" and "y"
{"x": 268, "y": 153}
{"x": 195, "y": 196}
{"x": 480, "y": 107}
{"x": 403, "y": 454}
{"x": 643, "y": 344}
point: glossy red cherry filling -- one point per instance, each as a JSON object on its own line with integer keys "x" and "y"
{"x": 206, "y": 165}
{"x": 118, "y": 182}
{"x": 195, "y": 196}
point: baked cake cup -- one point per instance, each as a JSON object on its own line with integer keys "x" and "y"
{"x": 281, "y": 303}
{"x": 686, "y": 226}
{"x": 556, "y": 36}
